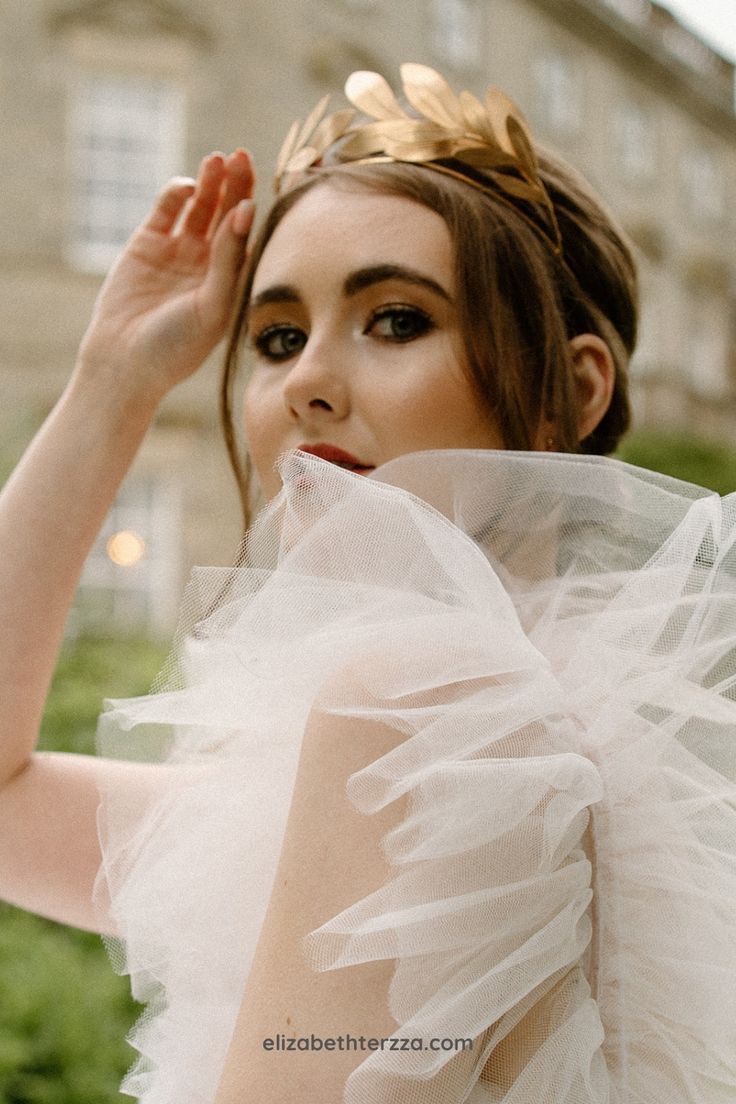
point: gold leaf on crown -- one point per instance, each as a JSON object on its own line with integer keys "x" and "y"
{"x": 490, "y": 137}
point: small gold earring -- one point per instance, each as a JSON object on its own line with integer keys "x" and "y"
{"x": 550, "y": 444}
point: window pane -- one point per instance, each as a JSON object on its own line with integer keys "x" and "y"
{"x": 635, "y": 141}
{"x": 126, "y": 142}
{"x": 131, "y": 578}
{"x": 456, "y": 30}
{"x": 703, "y": 185}
{"x": 558, "y": 91}
{"x": 708, "y": 334}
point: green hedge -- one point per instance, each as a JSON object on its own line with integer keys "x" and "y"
{"x": 685, "y": 456}
{"x": 64, "y": 1013}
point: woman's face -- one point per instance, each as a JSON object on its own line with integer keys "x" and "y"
{"x": 357, "y": 346}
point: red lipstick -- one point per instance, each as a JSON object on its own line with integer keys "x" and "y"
{"x": 335, "y": 455}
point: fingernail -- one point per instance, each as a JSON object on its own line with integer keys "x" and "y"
{"x": 242, "y": 216}
{"x": 184, "y": 181}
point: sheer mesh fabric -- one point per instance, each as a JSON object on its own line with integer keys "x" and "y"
{"x": 552, "y": 639}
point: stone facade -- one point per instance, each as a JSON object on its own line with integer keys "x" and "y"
{"x": 638, "y": 103}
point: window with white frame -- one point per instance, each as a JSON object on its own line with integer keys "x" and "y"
{"x": 126, "y": 140}
{"x": 131, "y": 579}
{"x": 704, "y": 185}
{"x": 648, "y": 357}
{"x": 636, "y": 141}
{"x": 456, "y": 31}
{"x": 708, "y": 344}
{"x": 559, "y": 93}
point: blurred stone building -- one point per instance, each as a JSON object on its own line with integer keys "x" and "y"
{"x": 102, "y": 100}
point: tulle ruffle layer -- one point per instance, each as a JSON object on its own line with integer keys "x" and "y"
{"x": 553, "y": 640}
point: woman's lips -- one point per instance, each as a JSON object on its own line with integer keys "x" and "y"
{"x": 335, "y": 455}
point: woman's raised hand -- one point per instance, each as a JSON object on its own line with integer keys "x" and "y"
{"x": 166, "y": 302}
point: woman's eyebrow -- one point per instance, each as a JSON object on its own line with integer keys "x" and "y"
{"x": 279, "y": 293}
{"x": 356, "y": 282}
{"x": 377, "y": 274}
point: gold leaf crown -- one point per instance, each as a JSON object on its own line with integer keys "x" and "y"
{"x": 487, "y": 145}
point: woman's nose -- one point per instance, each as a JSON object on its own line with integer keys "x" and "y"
{"x": 315, "y": 386}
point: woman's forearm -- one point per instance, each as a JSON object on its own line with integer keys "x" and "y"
{"x": 51, "y": 510}
{"x": 161, "y": 310}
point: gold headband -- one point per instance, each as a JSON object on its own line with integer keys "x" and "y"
{"x": 486, "y": 138}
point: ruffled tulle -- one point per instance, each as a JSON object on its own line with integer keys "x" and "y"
{"x": 554, "y": 640}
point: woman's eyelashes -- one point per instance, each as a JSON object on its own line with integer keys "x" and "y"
{"x": 279, "y": 342}
{"x": 395, "y": 323}
{"x": 399, "y": 323}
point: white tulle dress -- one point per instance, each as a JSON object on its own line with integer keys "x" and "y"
{"x": 554, "y": 640}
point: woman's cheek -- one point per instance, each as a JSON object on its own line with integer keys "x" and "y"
{"x": 257, "y": 427}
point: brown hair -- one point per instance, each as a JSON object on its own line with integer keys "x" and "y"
{"x": 520, "y": 302}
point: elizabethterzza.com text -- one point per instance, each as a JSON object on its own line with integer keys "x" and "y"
{"x": 316, "y": 1043}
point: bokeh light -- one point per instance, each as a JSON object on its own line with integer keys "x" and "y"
{"x": 126, "y": 548}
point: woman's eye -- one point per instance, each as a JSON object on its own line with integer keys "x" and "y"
{"x": 280, "y": 342}
{"x": 399, "y": 323}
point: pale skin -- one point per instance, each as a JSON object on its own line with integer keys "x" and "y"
{"x": 350, "y": 352}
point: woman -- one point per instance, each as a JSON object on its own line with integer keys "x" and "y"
{"x": 492, "y": 776}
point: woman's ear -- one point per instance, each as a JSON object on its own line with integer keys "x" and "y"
{"x": 595, "y": 373}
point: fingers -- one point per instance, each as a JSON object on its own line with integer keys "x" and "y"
{"x": 196, "y": 208}
{"x": 239, "y": 180}
{"x": 242, "y": 219}
{"x": 169, "y": 205}
{"x": 206, "y": 198}
{"x": 228, "y": 253}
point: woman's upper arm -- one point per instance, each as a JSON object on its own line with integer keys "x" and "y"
{"x": 49, "y": 846}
